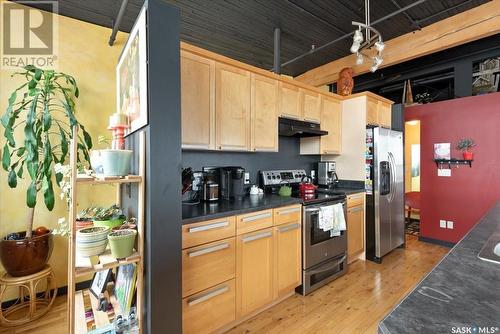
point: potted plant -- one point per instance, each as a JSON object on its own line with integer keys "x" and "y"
{"x": 85, "y": 218}
{"x": 122, "y": 241}
{"x": 42, "y": 110}
{"x": 109, "y": 217}
{"x": 465, "y": 146}
{"x": 91, "y": 241}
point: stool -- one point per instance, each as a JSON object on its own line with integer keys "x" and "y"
{"x": 29, "y": 306}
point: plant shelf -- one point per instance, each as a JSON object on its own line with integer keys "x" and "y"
{"x": 101, "y": 319}
{"x": 90, "y": 265}
{"x": 108, "y": 179}
{"x": 450, "y": 162}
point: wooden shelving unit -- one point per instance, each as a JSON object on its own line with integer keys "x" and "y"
{"x": 80, "y": 266}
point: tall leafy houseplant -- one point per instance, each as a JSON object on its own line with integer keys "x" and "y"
{"x": 43, "y": 110}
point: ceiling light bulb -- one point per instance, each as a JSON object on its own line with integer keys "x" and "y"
{"x": 355, "y": 47}
{"x": 359, "y": 59}
{"x": 358, "y": 37}
{"x": 376, "y": 63}
{"x": 379, "y": 45}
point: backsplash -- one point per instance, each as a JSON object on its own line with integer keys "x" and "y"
{"x": 288, "y": 157}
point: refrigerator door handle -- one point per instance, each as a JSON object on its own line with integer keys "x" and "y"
{"x": 392, "y": 168}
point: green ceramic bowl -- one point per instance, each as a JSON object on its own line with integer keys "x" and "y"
{"x": 109, "y": 223}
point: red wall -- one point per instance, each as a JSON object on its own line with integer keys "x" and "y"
{"x": 468, "y": 194}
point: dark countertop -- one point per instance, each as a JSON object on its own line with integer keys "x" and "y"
{"x": 347, "y": 191}
{"x": 467, "y": 287}
{"x": 224, "y": 208}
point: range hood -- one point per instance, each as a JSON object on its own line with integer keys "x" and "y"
{"x": 295, "y": 128}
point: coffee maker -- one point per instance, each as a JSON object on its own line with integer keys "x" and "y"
{"x": 232, "y": 181}
{"x": 327, "y": 176}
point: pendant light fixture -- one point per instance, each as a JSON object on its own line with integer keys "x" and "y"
{"x": 372, "y": 38}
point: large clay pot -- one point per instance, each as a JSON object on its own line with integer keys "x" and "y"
{"x": 26, "y": 256}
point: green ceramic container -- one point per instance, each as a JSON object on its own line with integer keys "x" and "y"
{"x": 121, "y": 243}
{"x": 109, "y": 223}
{"x": 116, "y": 162}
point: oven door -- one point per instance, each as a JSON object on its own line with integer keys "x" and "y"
{"x": 318, "y": 245}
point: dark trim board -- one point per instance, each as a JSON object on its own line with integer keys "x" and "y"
{"x": 437, "y": 242}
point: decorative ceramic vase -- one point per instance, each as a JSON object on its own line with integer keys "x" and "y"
{"x": 122, "y": 243}
{"x": 91, "y": 241}
{"x": 116, "y": 162}
{"x": 26, "y": 256}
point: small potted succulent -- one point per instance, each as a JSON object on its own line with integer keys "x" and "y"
{"x": 85, "y": 218}
{"x": 91, "y": 241}
{"x": 109, "y": 217}
{"x": 465, "y": 146}
{"x": 122, "y": 240}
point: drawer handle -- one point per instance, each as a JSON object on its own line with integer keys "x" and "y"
{"x": 290, "y": 210}
{"x": 257, "y": 236}
{"x": 208, "y": 250}
{"x": 207, "y": 296}
{"x": 256, "y": 217}
{"x": 355, "y": 197}
{"x": 359, "y": 208}
{"x": 208, "y": 227}
{"x": 330, "y": 152}
{"x": 288, "y": 228}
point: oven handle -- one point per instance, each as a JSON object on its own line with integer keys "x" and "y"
{"x": 316, "y": 209}
{"x": 320, "y": 270}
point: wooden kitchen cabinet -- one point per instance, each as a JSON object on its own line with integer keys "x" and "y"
{"x": 254, "y": 221}
{"x": 378, "y": 113}
{"x": 355, "y": 226}
{"x": 254, "y": 271}
{"x": 197, "y": 101}
{"x": 331, "y": 121}
{"x": 264, "y": 113}
{"x": 288, "y": 257}
{"x": 232, "y": 108}
{"x": 311, "y": 105}
{"x": 290, "y": 102}
{"x": 210, "y": 309}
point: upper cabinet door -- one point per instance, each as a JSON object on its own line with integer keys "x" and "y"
{"x": 371, "y": 111}
{"x": 265, "y": 111}
{"x": 331, "y": 121}
{"x": 311, "y": 105}
{"x": 197, "y": 101}
{"x": 290, "y": 101}
{"x": 385, "y": 114}
{"x": 232, "y": 103}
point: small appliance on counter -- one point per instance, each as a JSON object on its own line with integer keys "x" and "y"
{"x": 232, "y": 181}
{"x": 324, "y": 256}
{"x": 210, "y": 186}
{"x": 327, "y": 175}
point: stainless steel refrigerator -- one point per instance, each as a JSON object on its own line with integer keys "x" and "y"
{"x": 385, "y": 225}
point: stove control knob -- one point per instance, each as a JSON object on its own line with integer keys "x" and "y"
{"x": 269, "y": 177}
{"x": 278, "y": 177}
{"x": 296, "y": 176}
{"x": 274, "y": 176}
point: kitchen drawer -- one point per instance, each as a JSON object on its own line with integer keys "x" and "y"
{"x": 210, "y": 309}
{"x": 254, "y": 221}
{"x": 287, "y": 214}
{"x": 355, "y": 199}
{"x": 207, "y": 231}
{"x": 207, "y": 265}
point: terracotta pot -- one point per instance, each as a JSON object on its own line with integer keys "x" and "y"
{"x": 468, "y": 155}
{"x": 26, "y": 256}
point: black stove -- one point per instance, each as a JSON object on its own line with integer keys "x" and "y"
{"x": 318, "y": 198}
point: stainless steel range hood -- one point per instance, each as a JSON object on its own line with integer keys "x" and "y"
{"x": 294, "y": 128}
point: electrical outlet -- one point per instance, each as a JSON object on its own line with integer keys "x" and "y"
{"x": 442, "y": 223}
{"x": 247, "y": 178}
{"x": 449, "y": 224}
{"x": 444, "y": 172}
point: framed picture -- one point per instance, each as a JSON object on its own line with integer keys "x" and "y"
{"x": 442, "y": 151}
{"x": 131, "y": 77}
{"x": 100, "y": 281}
{"x": 125, "y": 286}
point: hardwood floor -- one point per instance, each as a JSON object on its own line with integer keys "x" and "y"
{"x": 354, "y": 303}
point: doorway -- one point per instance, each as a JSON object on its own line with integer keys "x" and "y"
{"x": 412, "y": 177}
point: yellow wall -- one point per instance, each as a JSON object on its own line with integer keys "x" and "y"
{"x": 412, "y": 136}
{"x": 85, "y": 54}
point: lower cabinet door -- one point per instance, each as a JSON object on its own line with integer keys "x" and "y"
{"x": 288, "y": 257}
{"x": 355, "y": 232}
{"x": 254, "y": 271}
{"x": 210, "y": 309}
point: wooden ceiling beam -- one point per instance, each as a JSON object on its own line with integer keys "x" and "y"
{"x": 476, "y": 23}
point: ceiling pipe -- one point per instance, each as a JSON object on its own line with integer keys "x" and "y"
{"x": 277, "y": 50}
{"x": 118, "y": 22}
{"x": 402, "y": 10}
